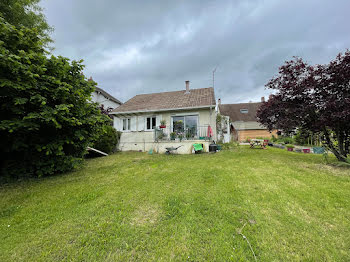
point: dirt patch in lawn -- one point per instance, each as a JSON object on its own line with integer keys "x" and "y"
{"x": 145, "y": 215}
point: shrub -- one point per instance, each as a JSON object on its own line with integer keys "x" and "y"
{"x": 108, "y": 140}
{"x": 285, "y": 140}
{"x": 47, "y": 120}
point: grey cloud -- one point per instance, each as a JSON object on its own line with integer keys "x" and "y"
{"x": 133, "y": 47}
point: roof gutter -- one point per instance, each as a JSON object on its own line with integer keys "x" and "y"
{"x": 160, "y": 110}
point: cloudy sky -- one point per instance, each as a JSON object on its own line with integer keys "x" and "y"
{"x": 134, "y": 47}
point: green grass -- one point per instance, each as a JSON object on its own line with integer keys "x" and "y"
{"x": 139, "y": 207}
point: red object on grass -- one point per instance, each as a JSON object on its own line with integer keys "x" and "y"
{"x": 306, "y": 150}
{"x": 290, "y": 148}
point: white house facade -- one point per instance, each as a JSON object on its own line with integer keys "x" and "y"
{"x": 103, "y": 98}
{"x": 169, "y": 119}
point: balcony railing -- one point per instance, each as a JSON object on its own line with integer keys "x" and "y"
{"x": 169, "y": 133}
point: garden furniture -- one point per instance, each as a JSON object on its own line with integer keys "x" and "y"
{"x": 257, "y": 143}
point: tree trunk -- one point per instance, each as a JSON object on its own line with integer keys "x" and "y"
{"x": 334, "y": 150}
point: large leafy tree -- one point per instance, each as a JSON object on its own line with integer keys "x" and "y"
{"x": 313, "y": 98}
{"x": 26, "y": 13}
{"x": 47, "y": 120}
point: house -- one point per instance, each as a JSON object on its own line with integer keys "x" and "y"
{"x": 243, "y": 122}
{"x": 102, "y": 97}
{"x": 169, "y": 119}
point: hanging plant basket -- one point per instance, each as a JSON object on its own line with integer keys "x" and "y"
{"x": 162, "y": 126}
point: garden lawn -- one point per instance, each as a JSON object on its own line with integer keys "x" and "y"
{"x": 140, "y": 207}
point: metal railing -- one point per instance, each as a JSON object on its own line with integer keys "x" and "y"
{"x": 169, "y": 133}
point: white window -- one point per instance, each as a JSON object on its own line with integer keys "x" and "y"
{"x": 126, "y": 124}
{"x": 244, "y": 111}
{"x": 151, "y": 123}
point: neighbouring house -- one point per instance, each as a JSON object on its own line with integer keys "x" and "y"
{"x": 103, "y": 98}
{"x": 169, "y": 119}
{"x": 243, "y": 123}
{"x": 108, "y": 101}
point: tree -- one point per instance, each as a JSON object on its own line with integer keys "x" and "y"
{"x": 108, "y": 140}
{"x": 47, "y": 120}
{"x": 106, "y": 111}
{"x": 26, "y": 13}
{"x": 313, "y": 98}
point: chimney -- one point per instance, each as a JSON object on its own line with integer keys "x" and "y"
{"x": 270, "y": 96}
{"x": 187, "y": 87}
{"x": 219, "y": 101}
{"x": 262, "y": 99}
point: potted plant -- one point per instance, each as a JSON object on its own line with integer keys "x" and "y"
{"x": 161, "y": 136}
{"x": 306, "y": 150}
{"x": 172, "y": 135}
{"x": 298, "y": 150}
{"x": 180, "y": 136}
{"x": 162, "y": 124}
{"x": 290, "y": 147}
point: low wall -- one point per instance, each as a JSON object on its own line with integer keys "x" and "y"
{"x": 160, "y": 147}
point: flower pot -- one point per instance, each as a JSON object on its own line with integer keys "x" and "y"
{"x": 162, "y": 126}
{"x": 290, "y": 149}
{"x": 306, "y": 150}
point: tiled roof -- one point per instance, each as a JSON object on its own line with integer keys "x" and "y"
{"x": 234, "y": 111}
{"x": 201, "y": 97}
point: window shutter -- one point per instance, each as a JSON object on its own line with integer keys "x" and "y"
{"x": 158, "y": 118}
{"x": 141, "y": 123}
{"x": 133, "y": 123}
{"x": 117, "y": 123}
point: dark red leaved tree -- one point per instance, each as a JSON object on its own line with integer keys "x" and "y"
{"x": 313, "y": 98}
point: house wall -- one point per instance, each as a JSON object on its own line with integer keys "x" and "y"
{"x": 101, "y": 99}
{"x": 160, "y": 147}
{"x": 252, "y": 134}
{"x": 138, "y": 138}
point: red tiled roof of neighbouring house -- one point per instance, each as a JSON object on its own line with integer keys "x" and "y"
{"x": 196, "y": 98}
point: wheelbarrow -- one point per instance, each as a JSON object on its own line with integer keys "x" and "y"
{"x": 171, "y": 149}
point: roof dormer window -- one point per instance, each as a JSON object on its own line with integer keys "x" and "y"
{"x": 244, "y": 111}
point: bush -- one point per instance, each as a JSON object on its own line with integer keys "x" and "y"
{"x": 273, "y": 138}
{"x": 108, "y": 140}
{"x": 264, "y": 138}
{"x": 285, "y": 140}
{"x": 47, "y": 120}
